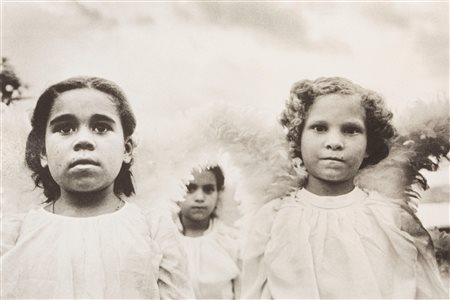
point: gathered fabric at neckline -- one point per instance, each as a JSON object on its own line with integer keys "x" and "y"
{"x": 330, "y": 202}
{"x": 120, "y": 211}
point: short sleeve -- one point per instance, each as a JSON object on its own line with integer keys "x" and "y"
{"x": 173, "y": 281}
{"x": 254, "y": 272}
{"x": 10, "y": 231}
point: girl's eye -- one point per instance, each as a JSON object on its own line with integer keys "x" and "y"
{"x": 102, "y": 128}
{"x": 319, "y": 128}
{"x": 352, "y": 130}
{"x": 209, "y": 189}
{"x": 191, "y": 188}
{"x": 65, "y": 129}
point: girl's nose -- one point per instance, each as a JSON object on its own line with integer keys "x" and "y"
{"x": 199, "y": 195}
{"x": 84, "y": 140}
{"x": 334, "y": 141}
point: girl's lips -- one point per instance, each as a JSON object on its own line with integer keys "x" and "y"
{"x": 84, "y": 162}
{"x": 199, "y": 207}
{"x": 333, "y": 159}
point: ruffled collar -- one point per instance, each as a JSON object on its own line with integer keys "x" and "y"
{"x": 330, "y": 202}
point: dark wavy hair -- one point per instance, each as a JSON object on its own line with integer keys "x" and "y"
{"x": 377, "y": 120}
{"x": 35, "y": 145}
{"x": 220, "y": 179}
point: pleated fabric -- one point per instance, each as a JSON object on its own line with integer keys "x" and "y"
{"x": 213, "y": 261}
{"x": 348, "y": 246}
{"x": 121, "y": 255}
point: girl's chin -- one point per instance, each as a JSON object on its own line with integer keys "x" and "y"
{"x": 86, "y": 188}
{"x": 199, "y": 216}
{"x": 331, "y": 181}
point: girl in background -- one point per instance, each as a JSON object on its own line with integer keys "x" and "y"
{"x": 329, "y": 238}
{"x": 88, "y": 241}
{"x": 212, "y": 246}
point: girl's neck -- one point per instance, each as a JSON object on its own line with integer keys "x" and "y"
{"x": 194, "y": 228}
{"x": 322, "y": 188}
{"x": 86, "y": 204}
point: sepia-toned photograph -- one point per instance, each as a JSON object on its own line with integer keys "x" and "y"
{"x": 224, "y": 149}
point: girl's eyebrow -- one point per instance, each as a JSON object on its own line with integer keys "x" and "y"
{"x": 317, "y": 122}
{"x": 70, "y": 117}
{"x": 354, "y": 123}
{"x": 62, "y": 118}
{"x": 99, "y": 117}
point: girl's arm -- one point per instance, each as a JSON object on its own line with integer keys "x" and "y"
{"x": 173, "y": 281}
{"x": 236, "y": 283}
{"x": 254, "y": 278}
{"x": 254, "y": 284}
{"x": 429, "y": 283}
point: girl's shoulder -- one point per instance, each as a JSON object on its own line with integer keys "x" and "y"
{"x": 263, "y": 217}
{"x": 158, "y": 221}
{"x": 258, "y": 227}
{"x": 11, "y": 226}
{"x": 13, "y": 221}
{"x": 225, "y": 231}
{"x": 403, "y": 210}
{"x": 404, "y": 214}
{"x": 383, "y": 199}
{"x": 226, "y": 236}
{"x": 268, "y": 211}
{"x": 271, "y": 208}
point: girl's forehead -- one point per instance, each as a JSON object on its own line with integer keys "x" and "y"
{"x": 203, "y": 177}
{"x": 337, "y": 106}
{"x": 336, "y": 97}
{"x": 83, "y": 102}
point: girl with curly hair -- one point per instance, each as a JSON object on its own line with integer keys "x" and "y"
{"x": 87, "y": 240}
{"x": 329, "y": 238}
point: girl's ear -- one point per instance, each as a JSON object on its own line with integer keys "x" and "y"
{"x": 43, "y": 159}
{"x": 128, "y": 153}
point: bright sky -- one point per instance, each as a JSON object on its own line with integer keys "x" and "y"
{"x": 170, "y": 56}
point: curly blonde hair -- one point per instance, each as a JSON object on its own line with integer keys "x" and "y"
{"x": 377, "y": 117}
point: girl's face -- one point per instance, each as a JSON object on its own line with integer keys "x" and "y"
{"x": 201, "y": 197}
{"x": 84, "y": 141}
{"x": 333, "y": 143}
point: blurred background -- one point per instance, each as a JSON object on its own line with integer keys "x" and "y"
{"x": 172, "y": 56}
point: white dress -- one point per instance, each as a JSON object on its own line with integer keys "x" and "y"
{"x": 213, "y": 261}
{"x": 349, "y": 246}
{"x": 125, "y": 254}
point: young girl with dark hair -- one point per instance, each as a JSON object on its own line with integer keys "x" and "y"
{"x": 211, "y": 245}
{"x": 88, "y": 241}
